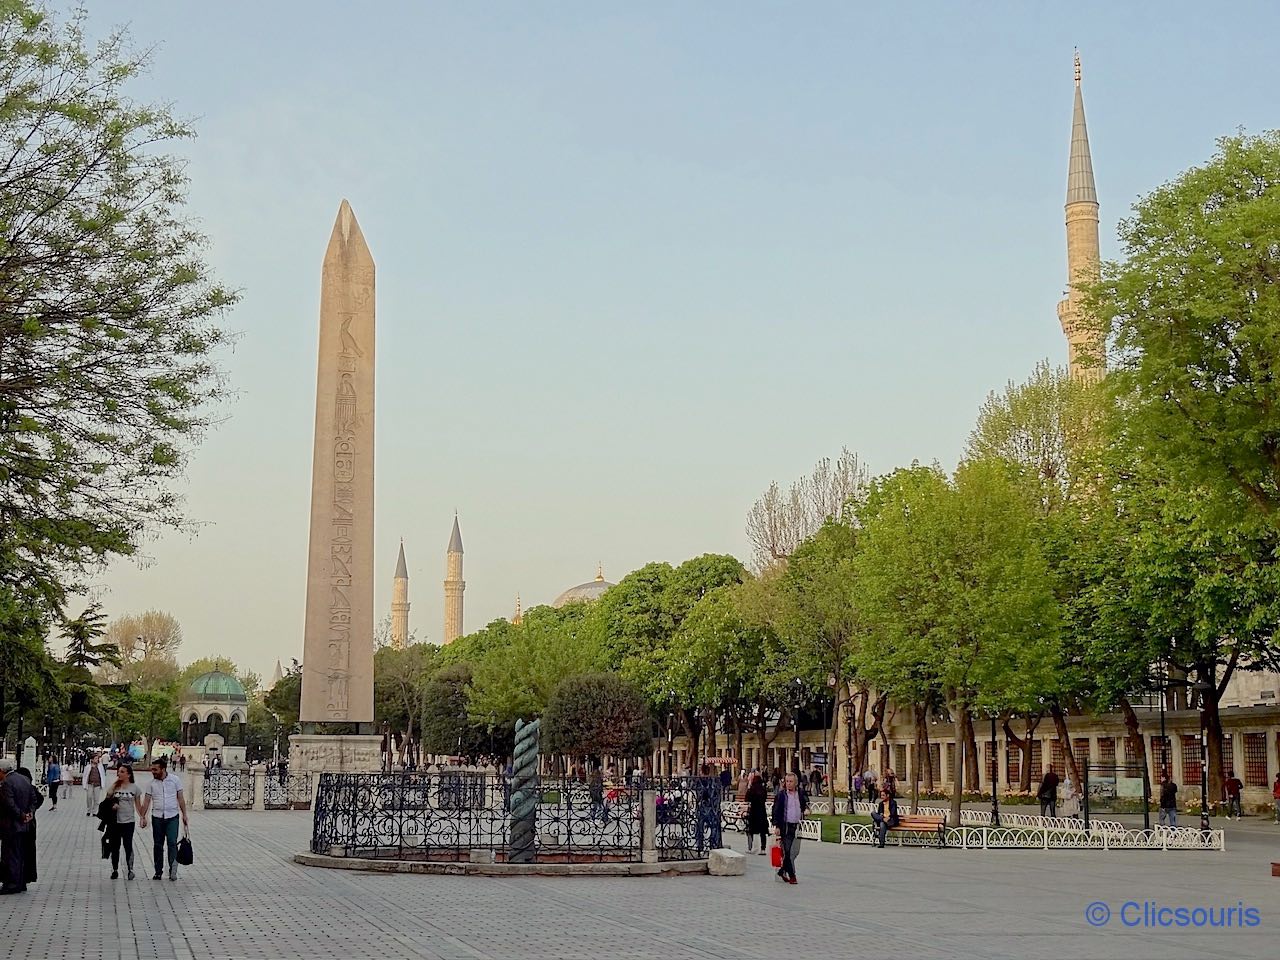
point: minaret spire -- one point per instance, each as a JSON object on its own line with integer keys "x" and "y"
{"x": 1086, "y": 342}
{"x": 400, "y": 602}
{"x": 454, "y": 585}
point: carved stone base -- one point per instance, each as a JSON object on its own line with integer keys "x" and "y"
{"x": 318, "y": 752}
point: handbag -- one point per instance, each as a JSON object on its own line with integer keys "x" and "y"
{"x": 775, "y": 856}
{"x": 185, "y": 855}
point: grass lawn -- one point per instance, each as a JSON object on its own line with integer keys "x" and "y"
{"x": 831, "y": 823}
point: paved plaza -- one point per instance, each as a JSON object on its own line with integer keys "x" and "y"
{"x": 244, "y": 898}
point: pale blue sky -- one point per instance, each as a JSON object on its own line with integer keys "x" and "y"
{"x": 637, "y": 260}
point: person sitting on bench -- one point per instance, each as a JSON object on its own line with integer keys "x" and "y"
{"x": 885, "y": 816}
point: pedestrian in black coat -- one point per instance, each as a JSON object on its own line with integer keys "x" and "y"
{"x": 19, "y": 801}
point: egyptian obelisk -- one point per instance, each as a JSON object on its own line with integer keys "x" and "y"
{"x": 337, "y": 649}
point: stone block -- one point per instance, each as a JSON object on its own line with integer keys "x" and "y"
{"x": 726, "y": 863}
{"x": 481, "y": 856}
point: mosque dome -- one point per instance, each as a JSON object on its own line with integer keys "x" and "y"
{"x": 583, "y": 592}
{"x": 216, "y": 686}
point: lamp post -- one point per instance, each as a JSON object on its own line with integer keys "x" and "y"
{"x": 995, "y": 776}
{"x": 849, "y": 713}
{"x": 1202, "y": 687}
{"x": 795, "y": 723}
{"x": 1164, "y": 739}
{"x": 671, "y": 744}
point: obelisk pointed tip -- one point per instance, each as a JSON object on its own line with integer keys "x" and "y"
{"x": 347, "y": 236}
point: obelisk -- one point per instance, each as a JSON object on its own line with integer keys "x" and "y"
{"x": 337, "y": 649}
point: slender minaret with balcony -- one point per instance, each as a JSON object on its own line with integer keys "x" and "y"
{"x": 1086, "y": 343}
{"x": 454, "y": 585}
{"x": 400, "y": 603}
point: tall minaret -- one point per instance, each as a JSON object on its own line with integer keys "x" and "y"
{"x": 1086, "y": 347}
{"x": 453, "y": 585}
{"x": 400, "y": 603}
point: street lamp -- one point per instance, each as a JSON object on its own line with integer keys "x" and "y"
{"x": 795, "y": 723}
{"x": 671, "y": 744}
{"x": 1202, "y": 687}
{"x": 995, "y": 776}
{"x": 849, "y": 712}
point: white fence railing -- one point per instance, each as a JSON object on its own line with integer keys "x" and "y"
{"x": 1045, "y": 838}
{"x": 982, "y": 818}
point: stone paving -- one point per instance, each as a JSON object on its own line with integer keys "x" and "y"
{"x": 244, "y": 898}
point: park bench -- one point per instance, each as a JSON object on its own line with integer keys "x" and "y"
{"x": 924, "y": 825}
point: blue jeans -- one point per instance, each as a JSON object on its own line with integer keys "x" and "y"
{"x": 881, "y": 826}
{"x": 165, "y": 829}
{"x": 1170, "y": 814}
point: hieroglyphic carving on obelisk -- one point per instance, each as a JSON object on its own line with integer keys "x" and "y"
{"x": 337, "y": 654}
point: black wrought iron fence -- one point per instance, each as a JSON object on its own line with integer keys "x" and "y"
{"x": 289, "y": 792}
{"x": 448, "y": 816}
{"x": 228, "y": 789}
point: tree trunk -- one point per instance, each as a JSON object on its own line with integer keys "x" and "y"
{"x": 710, "y": 724}
{"x": 927, "y": 759}
{"x": 1213, "y": 741}
{"x": 1060, "y": 724}
{"x": 970, "y": 754}
{"x": 957, "y": 793}
{"x": 1023, "y": 746}
{"x": 917, "y": 719}
{"x": 1134, "y": 727}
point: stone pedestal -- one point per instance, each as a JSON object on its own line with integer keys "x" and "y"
{"x": 321, "y": 753}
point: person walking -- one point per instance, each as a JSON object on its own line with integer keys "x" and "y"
{"x": 95, "y": 778}
{"x": 1070, "y": 799}
{"x": 1048, "y": 793}
{"x": 1233, "y": 787}
{"x": 758, "y": 817}
{"x": 165, "y": 795}
{"x": 29, "y": 858}
{"x": 1275, "y": 796}
{"x": 53, "y": 780}
{"x": 890, "y": 782}
{"x": 1168, "y": 801}
{"x": 128, "y": 804}
{"x": 789, "y": 808}
{"x": 19, "y": 801}
{"x": 885, "y": 816}
{"x": 595, "y": 792}
{"x": 869, "y": 779}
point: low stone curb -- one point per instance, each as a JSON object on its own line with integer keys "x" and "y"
{"x": 441, "y": 868}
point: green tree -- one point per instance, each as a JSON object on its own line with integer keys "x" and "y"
{"x": 956, "y": 593}
{"x": 641, "y": 616}
{"x": 108, "y": 370}
{"x": 598, "y": 715}
{"x": 400, "y": 680}
{"x": 517, "y": 680}
{"x": 1050, "y": 426}
{"x": 150, "y": 714}
{"x": 1194, "y": 308}
{"x": 284, "y": 700}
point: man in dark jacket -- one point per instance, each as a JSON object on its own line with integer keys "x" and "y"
{"x": 19, "y": 801}
{"x": 885, "y": 815}
{"x": 789, "y": 807}
{"x": 1048, "y": 794}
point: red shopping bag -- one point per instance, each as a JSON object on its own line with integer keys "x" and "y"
{"x": 775, "y": 856}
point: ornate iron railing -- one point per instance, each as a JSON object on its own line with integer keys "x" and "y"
{"x": 228, "y": 790}
{"x": 290, "y": 792}
{"x": 451, "y": 816}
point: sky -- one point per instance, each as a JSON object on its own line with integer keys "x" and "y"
{"x": 635, "y": 261}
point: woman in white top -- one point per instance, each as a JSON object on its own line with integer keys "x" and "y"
{"x": 128, "y": 805}
{"x": 1070, "y": 799}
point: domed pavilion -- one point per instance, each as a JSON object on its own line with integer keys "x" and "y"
{"x": 214, "y": 710}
